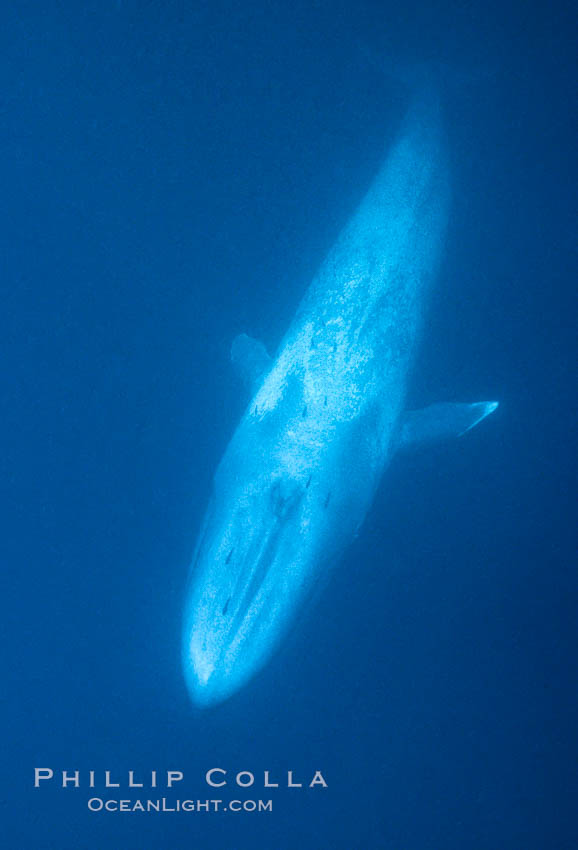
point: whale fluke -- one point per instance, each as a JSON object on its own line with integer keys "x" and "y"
{"x": 441, "y": 421}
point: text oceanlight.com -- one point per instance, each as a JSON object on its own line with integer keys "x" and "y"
{"x": 97, "y": 804}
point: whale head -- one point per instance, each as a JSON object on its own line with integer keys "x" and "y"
{"x": 251, "y": 569}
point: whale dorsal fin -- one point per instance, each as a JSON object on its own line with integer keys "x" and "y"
{"x": 441, "y": 421}
{"x": 250, "y": 358}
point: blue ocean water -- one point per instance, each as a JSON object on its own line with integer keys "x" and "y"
{"x": 173, "y": 174}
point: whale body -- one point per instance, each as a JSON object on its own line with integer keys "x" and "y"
{"x": 325, "y": 417}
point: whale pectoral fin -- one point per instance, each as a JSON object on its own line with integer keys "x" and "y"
{"x": 250, "y": 358}
{"x": 441, "y": 421}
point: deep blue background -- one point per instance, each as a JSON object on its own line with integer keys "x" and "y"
{"x": 172, "y": 173}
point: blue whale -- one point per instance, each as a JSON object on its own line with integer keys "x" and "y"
{"x": 324, "y": 418}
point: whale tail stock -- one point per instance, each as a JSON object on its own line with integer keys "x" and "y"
{"x": 414, "y": 76}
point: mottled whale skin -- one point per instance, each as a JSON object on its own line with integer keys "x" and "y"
{"x": 325, "y": 416}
